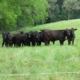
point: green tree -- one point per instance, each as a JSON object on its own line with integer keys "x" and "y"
{"x": 51, "y": 10}
{"x": 9, "y": 10}
{"x": 21, "y": 13}
{"x": 33, "y": 11}
{"x": 71, "y": 5}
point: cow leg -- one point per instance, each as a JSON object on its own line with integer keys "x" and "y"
{"x": 46, "y": 43}
{"x": 61, "y": 42}
{"x": 18, "y": 44}
{"x": 53, "y": 42}
{"x": 38, "y": 43}
{"x": 10, "y": 43}
{"x": 6, "y": 44}
{"x": 69, "y": 42}
{"x": 33, "y": 43}
{"x": 29, "y": 44}
{"x": 23, "y": 43}
{"x": 15, "y": 44}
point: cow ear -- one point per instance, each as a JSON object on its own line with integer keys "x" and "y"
{"x": 75, "y": 29}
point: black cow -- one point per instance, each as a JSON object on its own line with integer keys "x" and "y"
{"x": 7, "y": 39}
{"x": 16, "y": 38}
{"x": 28, "y": 40}
{"x": 38, "y": 38}
{"x": 53, "y": 35}
{"x": 21, "y": 39}
{"x": 41, "y": 37}
{"x": 4, "y": 36}
{"x": 34, "y": 38}
{"x": 71, "y": 37}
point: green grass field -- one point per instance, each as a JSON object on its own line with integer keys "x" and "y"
{"x": 53, "y": 62}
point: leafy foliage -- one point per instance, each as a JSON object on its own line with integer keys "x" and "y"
{"x": 63, "y": 10}
{"x": 16, "y": 13}
{"x": 70, "y": 5}
{"x": 20, "y": 13}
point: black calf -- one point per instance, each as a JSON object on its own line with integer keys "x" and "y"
{"x": 71, "y": 37}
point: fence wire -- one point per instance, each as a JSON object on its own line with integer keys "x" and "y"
{"x": 28, "y": 74}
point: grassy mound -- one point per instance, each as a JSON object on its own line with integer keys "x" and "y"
{"x": 53, "y": 62}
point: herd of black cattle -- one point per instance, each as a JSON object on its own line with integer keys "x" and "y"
{"x": 36, "y": 38}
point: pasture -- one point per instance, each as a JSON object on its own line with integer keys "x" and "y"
{"x": 53, "y": 62}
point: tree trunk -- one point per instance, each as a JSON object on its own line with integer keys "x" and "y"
{"x": 68, "y": 15}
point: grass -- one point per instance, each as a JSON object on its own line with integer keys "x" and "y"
{"x": 37, "y": 60}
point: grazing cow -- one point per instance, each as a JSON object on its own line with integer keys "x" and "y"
{"x": 53, "y": 35}
{"x": 71, "y": 37}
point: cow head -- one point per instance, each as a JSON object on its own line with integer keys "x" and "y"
{"x": 5, "y": 35}
{"x": 35, "y": 34}
{"x": 72, "y": 31}
{"x": 29, "y": 34}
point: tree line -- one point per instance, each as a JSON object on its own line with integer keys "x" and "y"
{"x": 20, "y": 13}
